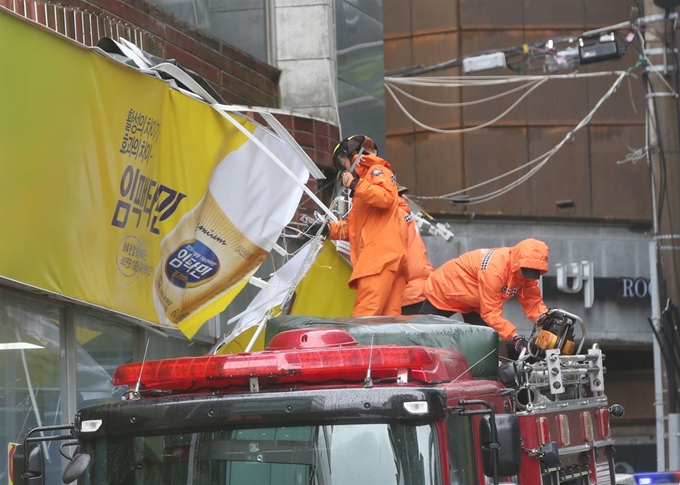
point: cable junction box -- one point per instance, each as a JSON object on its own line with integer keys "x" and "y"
{"x": 482, "y": 63}
{"x": 598, "y": 50}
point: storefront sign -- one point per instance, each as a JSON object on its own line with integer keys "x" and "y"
{"x": 574, "y": 277}
{"x": 603, "y": 288}
{"x": 121, "y": 192}
{"x": 635, "y": 287}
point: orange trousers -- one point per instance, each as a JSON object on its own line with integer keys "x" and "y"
{"x": 379, "y": 294}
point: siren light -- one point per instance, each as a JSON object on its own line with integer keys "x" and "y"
{"x": 344, "y": 363}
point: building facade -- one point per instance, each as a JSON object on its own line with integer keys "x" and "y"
{"x": 590, "y": 202}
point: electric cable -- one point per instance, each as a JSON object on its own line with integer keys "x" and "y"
{"x": 528, "y": 51}
{"x": 664, "y": 196}
{"x": 676, "y": 77}
{"x": 634, "y": 156}
{"x": 464, "y": 103}
{"x": 468, "y": 129}
{"x": 540, "y": 161}
{"x": 654, "y": 69}
{"x": 477, "y": 81}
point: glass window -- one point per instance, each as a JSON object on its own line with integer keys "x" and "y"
{"x": 241, "y": 23}
{"x": 362, "y": 113}
{"x": 461, "y": 453}
{"x": 30, "y": 393}
{"x": 31, "y": 349}
{"x": 102, "y": 347}
{"x": 168, "y": 347}
{"x": 372, "y": 453}
{"x": 361, "y": 66}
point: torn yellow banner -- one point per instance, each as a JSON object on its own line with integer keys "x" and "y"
{"x": 127, "y": 194}
{"x": 323, "y": 292}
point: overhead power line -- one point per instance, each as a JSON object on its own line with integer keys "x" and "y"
{"x": 535, "y": 84}
{"x": 539, "y": 161}
{"x": 556, "y": 53}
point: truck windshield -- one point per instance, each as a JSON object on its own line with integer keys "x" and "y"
{"x": 362, "y": 454}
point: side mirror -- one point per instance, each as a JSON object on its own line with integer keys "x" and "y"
{"x": 34, "y": 474}
{"x": 75, "y": 468}
{"x": 509, "y": 448}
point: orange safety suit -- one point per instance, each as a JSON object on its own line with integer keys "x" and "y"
{"x": 377, "y": 252}
{"x": 483, "y": 279}
{"x": 419, "y": 266}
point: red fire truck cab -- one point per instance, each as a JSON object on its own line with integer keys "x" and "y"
{"x": 380, "y": 401}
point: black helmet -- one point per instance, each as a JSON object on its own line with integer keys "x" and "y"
{"x": 350, "y": 146}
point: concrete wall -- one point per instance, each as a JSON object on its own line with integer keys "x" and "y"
{"x": 617, "y": 251}
{"x": 306, "y": 51}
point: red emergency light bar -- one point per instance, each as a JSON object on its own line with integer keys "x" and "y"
{"x": 348, "y": 364}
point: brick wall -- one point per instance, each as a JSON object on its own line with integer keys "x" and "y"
{"x": 238, "y": 77}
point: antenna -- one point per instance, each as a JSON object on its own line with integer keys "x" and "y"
{"x": 470, "y": 367}
{"x": 134, "y": 395}
{"x": 368, "y": 382}
{"x": 141, "y": 369}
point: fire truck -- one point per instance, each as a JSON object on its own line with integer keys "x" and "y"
{"x": 371, "y": 401}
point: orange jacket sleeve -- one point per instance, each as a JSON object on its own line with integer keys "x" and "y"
{"x": 339, "y": 229}
{"x": 532, "y": 302}
{"x": 491, "y": 304}
{"x": 377, "y": 187}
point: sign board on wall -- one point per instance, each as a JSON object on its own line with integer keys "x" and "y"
{"x": 606, "y": 288}
{"x": 124, "y": 193}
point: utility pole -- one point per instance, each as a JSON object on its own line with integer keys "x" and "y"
{"x": 664, "y": 156}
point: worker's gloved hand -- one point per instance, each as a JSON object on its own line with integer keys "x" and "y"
{"x": 317, "y": 228}
{"x": 520, "y": 343}
{"x": 349, "y": 179}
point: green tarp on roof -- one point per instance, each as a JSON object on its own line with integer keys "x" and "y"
{"x": 478, "y": 344}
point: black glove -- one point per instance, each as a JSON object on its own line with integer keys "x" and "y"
{"x": 520, "y": 343}
{"x": 318, "y": 228}
{"x": 541, "y": 320}
{"x": 349, "y": 179}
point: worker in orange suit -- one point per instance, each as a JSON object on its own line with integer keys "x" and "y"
{"x": 480, "y": 281}
{"x": 372, "y": 228}
{"x": 419, "y": 266}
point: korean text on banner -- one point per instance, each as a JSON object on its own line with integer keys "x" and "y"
{"x": 126, "y": 194}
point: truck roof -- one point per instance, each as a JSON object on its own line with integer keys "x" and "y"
{"x": 478, "y": 344}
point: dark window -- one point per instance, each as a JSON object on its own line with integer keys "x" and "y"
{"x": 462, "y": 468}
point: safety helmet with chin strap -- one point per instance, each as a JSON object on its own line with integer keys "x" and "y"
{"x": 350, "y": 146}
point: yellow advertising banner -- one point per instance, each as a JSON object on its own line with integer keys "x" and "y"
{"x": 324, "y": 292}
{"x": 124, "y": 193}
